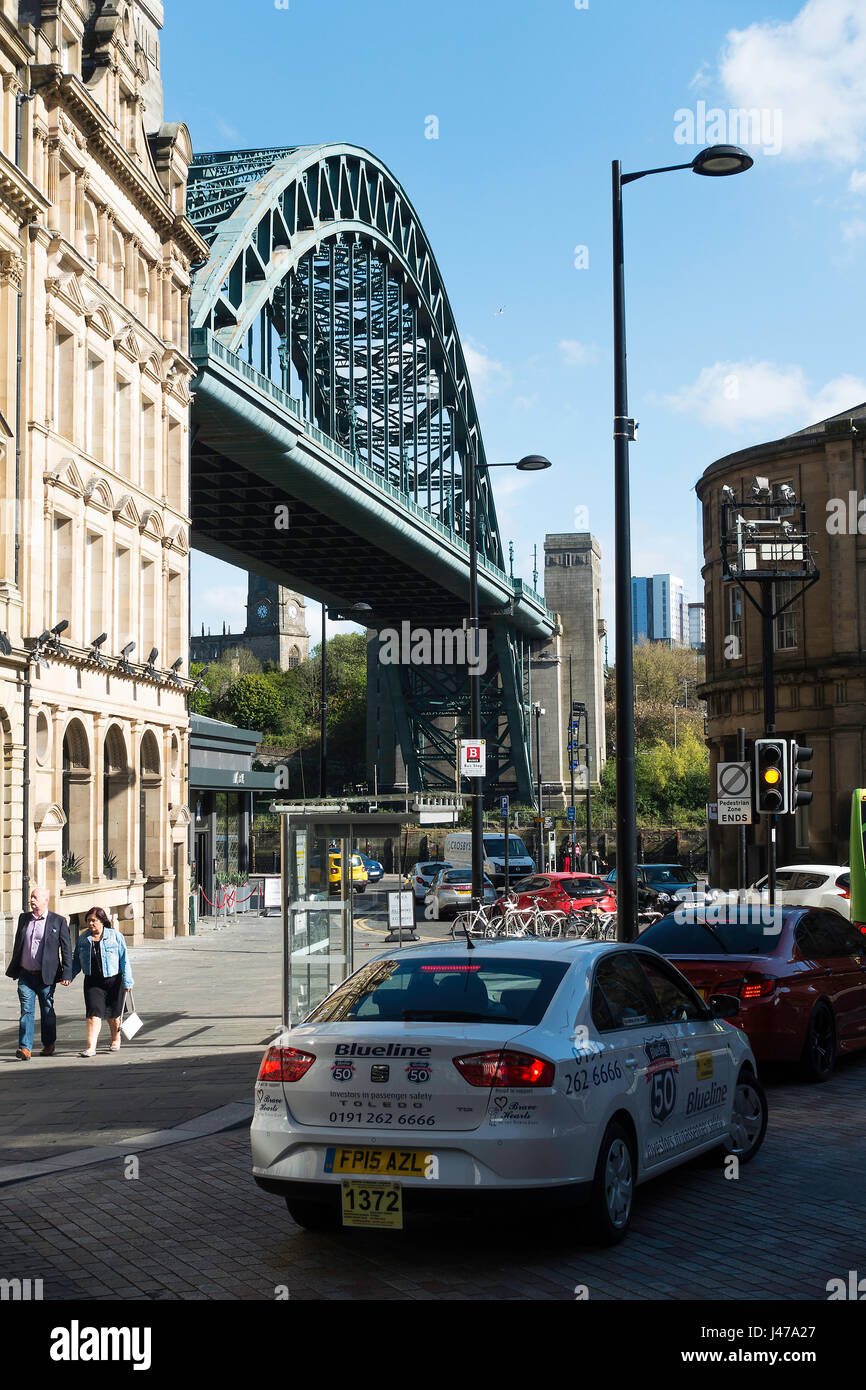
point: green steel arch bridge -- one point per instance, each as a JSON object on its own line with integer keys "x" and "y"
{"x": 332, "y": 419}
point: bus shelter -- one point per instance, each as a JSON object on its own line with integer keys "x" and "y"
{"x": 318, "y": 897}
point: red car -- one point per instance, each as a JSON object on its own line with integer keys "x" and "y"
{"x": 799, "y": 973}
{"x": 563, "y": 891}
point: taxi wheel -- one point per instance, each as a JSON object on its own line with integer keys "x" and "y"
{"x": 748, "y": 1119}
{"x": 819, "y": 1052}
{"x": 311, "y": 1216}
{"x": 610, "y": 1205}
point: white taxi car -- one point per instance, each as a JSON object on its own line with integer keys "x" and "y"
{"x": 509, "y": 1070}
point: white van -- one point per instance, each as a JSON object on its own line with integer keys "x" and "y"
{"x": 458, "y": 852}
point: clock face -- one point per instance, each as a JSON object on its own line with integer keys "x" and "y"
{"x": 262, "y": 611}
{"x": 293, "y": 611}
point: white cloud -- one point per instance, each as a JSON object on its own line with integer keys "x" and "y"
{"x": 857, "y": 181}
{"x": 227, "y": 130}
{"x": 853, "y": 230}
{"x": 733, "y": 395}
{"x": 813, "y": 69}
{"x": 487, "y": 376}
{"x": 700, "y": 78}
{"x": 577, "y": 354}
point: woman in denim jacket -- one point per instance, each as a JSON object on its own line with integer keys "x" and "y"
{"x": 101, "y": 955}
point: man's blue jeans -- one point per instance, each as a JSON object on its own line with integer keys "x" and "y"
{"x": 30, "y": 988}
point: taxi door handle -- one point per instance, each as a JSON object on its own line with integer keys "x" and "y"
{"x": 631, "y": 1061}
{"x": 686, "y": 1051}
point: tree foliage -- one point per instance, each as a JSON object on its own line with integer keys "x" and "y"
{"x": 671, "y": 782}
{"x": 285, "y": 706}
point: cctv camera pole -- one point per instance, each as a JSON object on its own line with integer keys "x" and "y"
{"x": 767, "y": 660}
{"x": 741, "y": 832}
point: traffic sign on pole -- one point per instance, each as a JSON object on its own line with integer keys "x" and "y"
{"x": 734, "y": 792}
{"x": 473, "y": 757}
{"x": 503, "y": 807}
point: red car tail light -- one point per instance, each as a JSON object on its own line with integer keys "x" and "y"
{"x": 285, "y": 1064}
{"x": 505, "y": 1069}
{"x": 749, "y": 987}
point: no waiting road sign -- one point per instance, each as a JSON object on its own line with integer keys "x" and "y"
{"x": 734, "y": 790}
{"x": 733, "y": 781}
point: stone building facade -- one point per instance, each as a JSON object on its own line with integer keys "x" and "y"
{"x": 572, "y": 589}
{"x": 819, "y": 642}
{"x": 99, "y": 478}
{"x": 276, "y": 630}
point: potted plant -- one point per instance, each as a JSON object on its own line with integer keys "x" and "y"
{"x": 71, "y": 867}
{"x": 109, "y": 864}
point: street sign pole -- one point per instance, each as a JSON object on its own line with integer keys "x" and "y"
{"x": 741, "y": 833}
{"x": 507, "y": 819}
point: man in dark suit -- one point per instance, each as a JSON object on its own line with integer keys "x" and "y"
{"x": 41, "y": 956}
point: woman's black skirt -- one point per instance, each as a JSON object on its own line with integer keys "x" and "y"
{"x": 103, "y": 998}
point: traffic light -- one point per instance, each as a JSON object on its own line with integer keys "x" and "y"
{"x": 771, "y": 776}
{"x": 799, "y": 754}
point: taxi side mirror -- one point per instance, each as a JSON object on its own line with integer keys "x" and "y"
{"x": 724, "y": 1005}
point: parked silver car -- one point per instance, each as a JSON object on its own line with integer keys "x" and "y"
{"x": 451, "y": 892}
{"x": 423, "y": 875}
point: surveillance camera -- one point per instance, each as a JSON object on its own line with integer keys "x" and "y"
{"x": 60, "y": 627}
{"x": 154, "y": 653}
{"x": 98, "y": 641}
{"x": 126, "y": 650}
{"x": 176, "y": 665}
{"x": 43, "y": 637}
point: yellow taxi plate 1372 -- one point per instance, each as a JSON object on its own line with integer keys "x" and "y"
{"x": 367, "y": 1202}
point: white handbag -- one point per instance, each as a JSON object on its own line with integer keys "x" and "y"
{"x": 130, "y": 1022}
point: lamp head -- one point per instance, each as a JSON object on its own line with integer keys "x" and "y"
{"x": 533, "y": 463}
{"x": 720, "y": 160}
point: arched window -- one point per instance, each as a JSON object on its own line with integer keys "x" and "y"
{"x": 91, "y": 232}
{"x": 75, "y": 800}
{"x": 143, "y": 289}
{"x": 118, "y": 265}
{"x": 116, "y": 781}
{"x": 294, "y": 658}
{"x": 150, "y": 807}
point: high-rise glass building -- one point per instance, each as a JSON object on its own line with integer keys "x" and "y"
{"x": 659, "y": 610}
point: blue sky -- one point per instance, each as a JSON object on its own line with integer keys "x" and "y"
{"x": 742, "y": 294}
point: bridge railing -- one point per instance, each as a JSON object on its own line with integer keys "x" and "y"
{"x": 204, "y": 344}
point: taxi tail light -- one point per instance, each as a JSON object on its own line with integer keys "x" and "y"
{"x": 285, "y": 1064}
{"x": 505, "y": 1069}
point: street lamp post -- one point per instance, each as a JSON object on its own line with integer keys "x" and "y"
{"x": 348, "y": 612}
{"x": 323, "y": 712}
{"x": 717, "y": 161}
{"x": 538, "y": 711}
{"x": 530, "y": 463}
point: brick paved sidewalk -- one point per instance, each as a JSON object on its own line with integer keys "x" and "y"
{"x": 210, "y": 1003}
{"x": 194, "y": 1226}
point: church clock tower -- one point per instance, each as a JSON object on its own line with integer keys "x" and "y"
{"x": 276, "y": 623}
